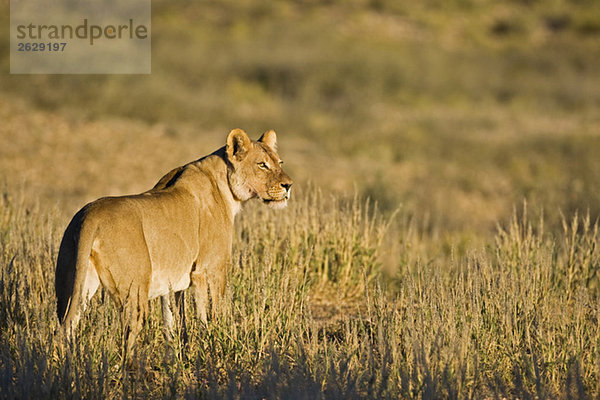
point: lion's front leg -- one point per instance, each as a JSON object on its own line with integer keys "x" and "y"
{"x": 167, "y": 315}
{"x": 211, "y": 280}
{"x": 200, "y": 288}
{"x": 217, "y": 281}
{"x": 168, "y": 319}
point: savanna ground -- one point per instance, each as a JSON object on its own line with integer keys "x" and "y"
{"x": 441, "y": 241}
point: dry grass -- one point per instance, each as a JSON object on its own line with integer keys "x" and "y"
{"x": 518, "y": 318}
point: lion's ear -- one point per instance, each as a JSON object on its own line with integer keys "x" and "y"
{"x": 238, "y": 144}
{"x": 269, "y": 138}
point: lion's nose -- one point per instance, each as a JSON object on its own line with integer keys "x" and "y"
{"x": 286, "y": 186}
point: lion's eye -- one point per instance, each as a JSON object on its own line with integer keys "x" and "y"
{"x": 263, "y": 165}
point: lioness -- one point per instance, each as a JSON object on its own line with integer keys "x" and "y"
{"x": 176, "y": 235}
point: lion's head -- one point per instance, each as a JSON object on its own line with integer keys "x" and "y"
{"x": 255, "y": 169}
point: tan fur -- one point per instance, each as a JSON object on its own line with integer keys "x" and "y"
{"x": 176, "y": 235}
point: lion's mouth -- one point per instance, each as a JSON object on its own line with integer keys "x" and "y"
{"x": 276, "y": 203}
{"x": 278, "y": 199}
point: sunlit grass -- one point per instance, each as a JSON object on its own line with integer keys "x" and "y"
{"x": 456, "y": 110}
{"x": 517, "y": 317}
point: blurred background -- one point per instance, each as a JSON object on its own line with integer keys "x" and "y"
{"x": 453, "y": 111}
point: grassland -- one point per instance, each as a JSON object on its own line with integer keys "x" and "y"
{"x": 442, "y": 239}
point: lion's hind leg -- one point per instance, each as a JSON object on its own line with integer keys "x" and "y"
{"x": 134, "y": 312}
{"x": 78, "y": 304}
{"x": 76, "y": 279}
{"x": 90, "y": 286}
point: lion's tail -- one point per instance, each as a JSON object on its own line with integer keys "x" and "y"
{"x": 72, "y": 267}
